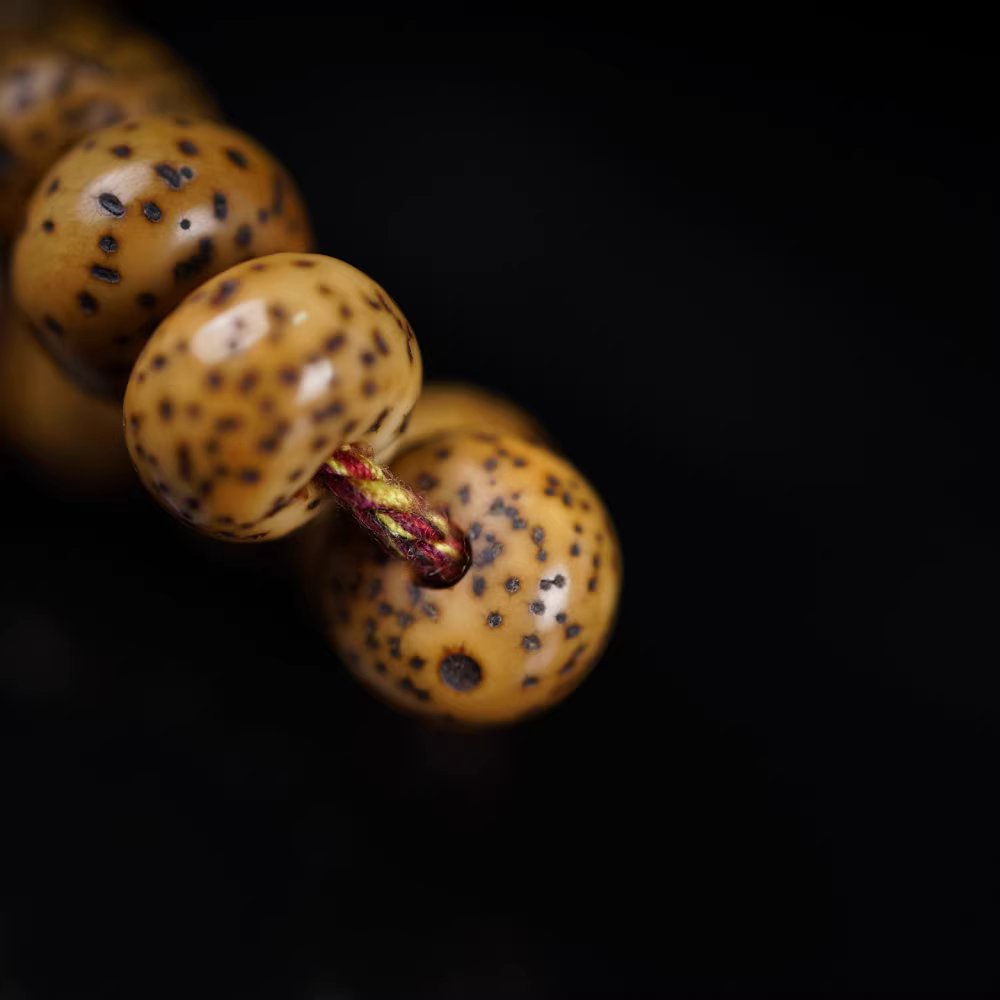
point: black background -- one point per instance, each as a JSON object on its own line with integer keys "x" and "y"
{"x": 738, "y": 272}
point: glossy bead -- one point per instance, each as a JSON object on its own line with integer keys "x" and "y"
{"x": 252, "y": 383}
{"x": 73, "y": 440}
{"x": 452, "y": 406}
{"x": 527, "y": 622}
{"x": 134, "y": 218}
{"x": 52, "y": 94}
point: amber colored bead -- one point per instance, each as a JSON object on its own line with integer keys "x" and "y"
{"x": 80, "y": 75}
{"x": 456, "y": 406}
{"x": 72, "y": 439}
{"x": 132, "y": 220}
{"x": 247, "y": 388}
{"x": 529, "y": 619}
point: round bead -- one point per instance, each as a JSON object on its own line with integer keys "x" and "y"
{"x": 451, "y": 406}
{"x": 255, "y": 379}
{"x": 51, "y": 96}
{"x": 133, "y": 219}
{"x": 74, "y": 440}
{"x": 529, "y": 619}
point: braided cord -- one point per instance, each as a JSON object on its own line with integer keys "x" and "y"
{"x": 398, "y": 517}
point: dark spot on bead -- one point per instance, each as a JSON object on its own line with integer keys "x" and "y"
{"x": 313, "y": 504}
{"x": 592, "y": 584}
{"x": 369, "y": 388}
{"x": 187, "y": 147}
{"x": 460, "y": 672}
{"x": 419, "y": 693}
{"x": 429, "y": 610}
{"x": 278, "y": 195}
{"x": 166, "y": 409}
{"x": 49, "y": 226}
{"x": 220, "y": 207}
{"x": 185, "y": 223}
{"x": 88, "y": 304}
{"x": 168, "y": 175}
{"x": 463, "y": 494}
{"x": 246, "y": 383}
{"x": 108, "y": 244}
{"x": 531, "y": 642}
{"x": 529, "y": 682}
{"x": 187, "y": 173}
{"x": 559, "y": 580}
{"x": 536, "y": 608}
{"x": 478, "y": 585}
{"x": 237, "y": 157}
{"x": 243, "y": 236}
{"x": 541, "y": 555}
{"x": 123, "y": 152}
{"x": 146, "y": 299}
{"x": 367, "y": 358}
{"x": 377, "y": 425}
{"x": 224, "y": 291}
{"x": 197, "y": 262}
{"x": 54, "y": 186}
{"x": 475, "y": 530}
{"x": 160, "y": 361}
{"x": 417, "y": 662}
{"x": 249, "y": 475}
{"x": 327, "y": 412}
{"x": 184, "y": 462}
{"x": 333, "y": 343}
{"x": 346, "y": 311}
{"x": 574, "y": 549}
{"x": 110, "y": 204}
{"x": 53, "y": 326}
{"x": 225, "y": 425}
{"x": 573, "y": 631}
{"x": 513, "y": 585}
{"x": 561, "y": 617}
{"x": 213, "y": 380}
{"x": 380, "y": 668}
{"x": 108, "y": 274}
{"x": 320, "y": 443}
{"x": 538, "y": 535}
{"x": 494, "y": 619}
{"x": 152, "y": 211}
{"x": 490, "y": 464}
{"x": 426, "y": 482}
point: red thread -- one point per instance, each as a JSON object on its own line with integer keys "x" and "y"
{"x": 399, "y": 519}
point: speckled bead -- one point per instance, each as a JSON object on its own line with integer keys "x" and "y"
{"x": 453, "y": 406}
{"x": 529, "y": 619}
{"x": 252, "y": 383}
{"x": 134, "y": 218}
{"x": 51, "y": 96}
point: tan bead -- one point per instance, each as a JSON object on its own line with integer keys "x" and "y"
{"x": 72, "y": 439}
{"x": 254, "y": 380}
{"x": 133, "y": 219}
{"x": 452, "y": 406}
{"x": 51, "y": 96}
{"x": 529, "y": 619}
